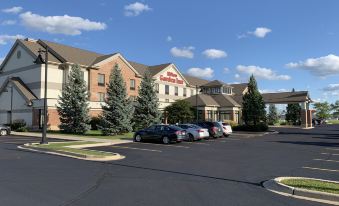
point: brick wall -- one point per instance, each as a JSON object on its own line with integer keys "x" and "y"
{"x": 106, "y": 69}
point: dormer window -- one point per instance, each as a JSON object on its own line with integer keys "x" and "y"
{"x": 227, "y": 90}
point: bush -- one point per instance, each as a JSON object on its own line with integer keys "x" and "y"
{"x": 18, "y": 123}
{"x": 94, "y": 123}
{"x": 283, "y": 123}
{"x": 232, "y": 123}
{"x": 261, "y": 127}
{"x": 21, "y": 129}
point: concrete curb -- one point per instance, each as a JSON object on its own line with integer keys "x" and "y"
{"x": 276, "y": 186}
{"x": 111, "y": 157}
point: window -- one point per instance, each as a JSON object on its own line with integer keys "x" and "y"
{"x": 192, "y": 92}
{"x": 82, "y": 75}
{"x": 156, "y": 87}
{"x": 101, "y": 97}
{"x": 101, "y": 79}
{"x": 132, "y": 84}
{"x": 166, "y": 100}
{"x": 176, "y": 91}
{"x": 185, "y": 92}
{"x": 166, "y": 89}
{"x": 18, "y": 54}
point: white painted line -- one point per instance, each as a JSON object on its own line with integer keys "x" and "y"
{"x": 324, "y": 153}
{"x": 135, "y": 148}
{"x": 200, "y": 143}
{"x": 315, "y": 168}
{"x": 326, "y": 160}
{"x": 163, "y": 145}
{"x": 332, "y": 149}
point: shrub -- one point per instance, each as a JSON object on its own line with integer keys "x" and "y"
{"x": 283, "y": 123}
{"x": 261, "y": 127}
{"x": 21, "y": 129}
{"x": 232, "y": 123}
{"x": 94, "y": 123}
{"x": 18, "y": 123}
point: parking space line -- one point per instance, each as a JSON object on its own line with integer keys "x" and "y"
{"x": 324, "y": 153}
{"x": 199, "y": 143}
{"x": 326, "y": 160}
{"x": 135, "y": 148}
{"x": 321, "y": 169}
{"x": 164, "y": 145}
{"x": 332, "y": 149}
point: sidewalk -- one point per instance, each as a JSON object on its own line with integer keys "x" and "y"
{"x": 74, "y": 138}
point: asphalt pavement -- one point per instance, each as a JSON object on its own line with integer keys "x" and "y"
{"x": 226, "y": 171}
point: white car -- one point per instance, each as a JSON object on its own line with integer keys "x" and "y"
{"x": 227, "y": 129}
{"x": 195, "y": 132}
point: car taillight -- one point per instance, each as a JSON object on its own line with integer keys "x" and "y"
{"x": 200, "y": 130}
{"x": 179, "y": 132}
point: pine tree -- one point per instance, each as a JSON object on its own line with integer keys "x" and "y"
{"x": 146, "y": 107}
{"x": 253, "y": 111}
{"x": 272, "y": 116}
{"x": 293, "y": 113}
{"x": 73, "y": 104}
{"x": 118, "y": 110}
{"x": 180, "y": 112}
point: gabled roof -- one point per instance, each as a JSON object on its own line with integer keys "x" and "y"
{"x": 220, "y": 100}
{"x": 214, "y": 83}
{"x": 195, "y": 81}
{"x": 158, "y": 68}
{"x": 238, "y": 89}
{"x": 225, "y": 100}
{"x": 286, "y": 97}
{"x": 21, "y": 87}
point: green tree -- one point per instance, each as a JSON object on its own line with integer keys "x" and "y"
{"x": 253, "y": 111}
{"x": 73, "y": 104}
{"x": 335, "y": 109}
{"x": 293, "y": 113}
{"x": 146, "y": 106}
{"x": 272, "y": 116}
{"x": 118, "y": 110}
{"x": 180, "y": 112}
{"x": 323, "y": 110}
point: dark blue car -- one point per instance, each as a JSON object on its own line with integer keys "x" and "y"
{"x": 163, "y": 133}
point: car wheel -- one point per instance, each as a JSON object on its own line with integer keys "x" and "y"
{"x": 3, "y": 132}
{"x": 165, "y": 140}
{"x": 137, "y": 138}
{"x": 190, "y": 138}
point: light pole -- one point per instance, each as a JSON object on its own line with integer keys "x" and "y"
{"x": 40, "y": 60}
{"x": 196, "y": 102}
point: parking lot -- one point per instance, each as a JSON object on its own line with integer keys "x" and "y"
{"x": 226, "y": 171}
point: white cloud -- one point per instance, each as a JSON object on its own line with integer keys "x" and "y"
{"x": 259, "y": 32}
{"x": 226, "y": 70}
{"x": 273, "y": 90}
{"x": 201, "y": 73}
{"x": 68, "y": 25}
{"x": 332, "y": 87}
{"x": 237, "y": 76}
{"x": 8, "y": 22}
{"x": 13, "y": 10}
{"x": 214, "y": 53}
{"x": 136, "y": 9}
{"x": 321, "y": 66}
{"x": 4, "y": 39}
{"x": 185, "y": 52}
{"x": 262, "y": 73}
{"x": 169, "y": 38}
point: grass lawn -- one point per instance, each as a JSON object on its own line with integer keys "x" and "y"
{"x": 333, "y": 121}
{"x": 94, "y": 134}
{"x": 313, "y": 185}
{"x": 62, "y": 146}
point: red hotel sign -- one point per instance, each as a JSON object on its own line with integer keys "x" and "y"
{"x": 171, "y": 77}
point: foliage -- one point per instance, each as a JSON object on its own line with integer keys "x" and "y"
{"x": 272, "y": 116}
{"x": 118, "y": 110}
{"x": 253, "y": 111}
{"x": 95, "y": 121}
{"x": 18, "y": 123}
{"x": 260, "y": 127}
{"x": 293, "y": 113}
{"x": 322, "y": 110}
{"x": 73, "y": 104}
{"x": 146, "y": 105}
{"x": 335, "y": 109}
{"x": 21, "y": 129}
{"x": 179, "y": 112}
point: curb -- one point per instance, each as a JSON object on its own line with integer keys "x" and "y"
{"x": 113, "y": 156}
{"x": 274, "y": 185}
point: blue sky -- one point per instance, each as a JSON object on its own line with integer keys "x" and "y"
{"x": 285, "y": 44}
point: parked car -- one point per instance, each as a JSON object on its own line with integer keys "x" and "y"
{"x": 164, "y": 133}
{"x": 214, "y": 128}
{"x": 5, "y": 130}
{"x": 227, "y": 129}
{"x": 195, "y": 132}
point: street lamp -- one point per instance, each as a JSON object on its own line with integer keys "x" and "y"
{"x": 196, "y": 103}
{"x": 40, "y": 60}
